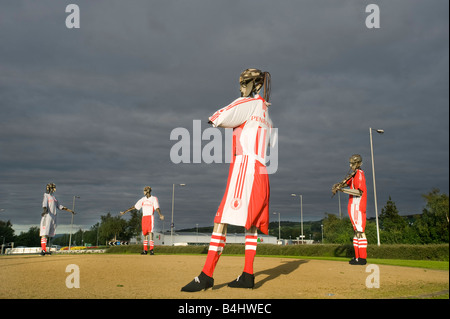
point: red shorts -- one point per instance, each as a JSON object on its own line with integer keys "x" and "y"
{"x": 147, "y": 224}
{"x": 246, "y": 199}
{"x": 357, "y": 217}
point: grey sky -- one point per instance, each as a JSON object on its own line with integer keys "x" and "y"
{"x": 92, "y": 109}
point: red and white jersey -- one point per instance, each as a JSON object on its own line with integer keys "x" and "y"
{"x": 148, "y": 205}
{"x": 357, "y": 204}
{"x": 246, "y": 199}
{"x": 249, "y": 117}
{"x": 51, "y": 203}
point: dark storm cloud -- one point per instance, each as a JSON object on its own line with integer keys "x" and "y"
{"x": 92, "y": 109}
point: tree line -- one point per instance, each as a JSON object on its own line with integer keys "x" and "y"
{"x": 110, "y": 228}
{"x": 429, "y": 227}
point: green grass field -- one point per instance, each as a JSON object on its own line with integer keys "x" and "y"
{"x": 320, "y": 252}
{"x": 429, "y": 264}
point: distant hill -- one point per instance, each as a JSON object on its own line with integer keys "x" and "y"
{"x": 239, "y": 229}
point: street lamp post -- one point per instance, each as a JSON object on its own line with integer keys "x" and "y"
{"x": 340, "y": 211}
{"x": 98, "y": 228}
{"x": 321, "y": 226}
{"x": 173, "y": 202}
{"x": 71, "y": 223}
{"x": 301, "y": 215}
{"x": 279, "y": 225}
{"x": 197, "y": 232}
{"x": 379, "y": 131}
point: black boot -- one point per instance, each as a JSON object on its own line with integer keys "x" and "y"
{"x": 202, "y": 282}
{"x": 362, "y": 261}
{"x": 245, "y": 280}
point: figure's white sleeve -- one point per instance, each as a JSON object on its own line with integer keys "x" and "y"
{"x": 45, "y": 202}
{"x": 138, "y": 204}
{"x": 58, "y": 205}
{"x": 234, "y": 114}
{"x": 156, "y": 203}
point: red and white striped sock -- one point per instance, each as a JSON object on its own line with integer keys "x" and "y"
{"x": 251, "y": 241}
{"x": 152, "y": 244}
{"x": 356, "y": 247}
{"x": 44, "y": 243}
{"x": 362, "y": 248}
{"x": 216, "y": 246}
{"x": 145, "y": 245}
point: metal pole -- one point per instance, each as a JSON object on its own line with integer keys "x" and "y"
{"x": 340, "y": 211}
{"x": 321, "y": 226}
{"x": 98, "y": 228}
{"x": 301, "y": 215}
{"x": 374, "y": 188}
{"x": 71, "y": 223}
{"x": 171, "y": 224}
{"x": 173, "y": 201}
{"x": 279, "y": 226}
{"x": 163, "y": 233}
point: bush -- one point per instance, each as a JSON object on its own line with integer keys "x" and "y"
{"x": 409, "y": 252}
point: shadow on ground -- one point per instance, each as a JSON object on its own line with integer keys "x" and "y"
{"x": 285, "y": 268}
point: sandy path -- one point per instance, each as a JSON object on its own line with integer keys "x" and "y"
{"x": 104, "y": 276}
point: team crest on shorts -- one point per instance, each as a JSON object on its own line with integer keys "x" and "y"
{"x": 236, "y": 203}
